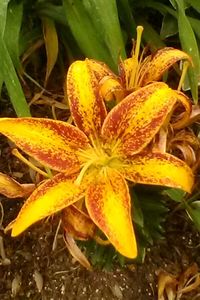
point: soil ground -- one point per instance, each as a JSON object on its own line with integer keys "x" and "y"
{"x": 36, "y": 272}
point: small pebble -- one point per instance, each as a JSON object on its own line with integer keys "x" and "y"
{"x": 117, "y": 292}
{"x": 38, "y": 280}
{"x": 16, "y": 285}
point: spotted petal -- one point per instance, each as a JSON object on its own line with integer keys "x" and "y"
{"x": 50, "y": 197}
{"x": 13, "y": 189}
{"x": 152, "y": 69}
{"x": 158, "y": 169}
{"x": 133, "y": 123}
{"x": 77, "y": 223}
{"x": 108, "y": 204}
{"x": 86, "y": 104}
{"x": 53, "y": 143}
{"x": 99, "y": 69}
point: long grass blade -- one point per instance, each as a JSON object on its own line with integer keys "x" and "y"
{"x": 189, "y": 44}
{"x": 7, "y": 70}
{"x": 104, "y": 17}
{"x": 12, "y": 31}
{"x": 3, "y": 13}
{"x": 126, "y": 16}
{"x": 8, "y": 73}
{"x": 94, "y": 26}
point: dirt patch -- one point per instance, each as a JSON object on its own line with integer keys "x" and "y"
{"x": 37, "y": 272}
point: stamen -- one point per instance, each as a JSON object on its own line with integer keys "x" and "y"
{"x": 16, "y": 153}
{"x": 114, "y": 148}
{"x": 48, "y": 171}
{"x": 138, "y": 42}
{"x": 135, "y": 57}
{"x": 97, "y": 146}
{"x": 183, "y": 74}
{"x": 83, "y": 171}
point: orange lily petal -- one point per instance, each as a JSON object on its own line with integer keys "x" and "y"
{"x": 86, "y": 104}
{"x": 110, "y": 86}
{"x": 184, "y": 117}
{"x": 77, "y": 223}
{"x": 158, "y": 169}
{"x": 152, "y": 69}
{"x": 136, "y": 119}
{"x": 111, "y": 89}
{"x": 13, "y": 189}
{"x": 99, "y": 69}
{"x": 53, "y": 143}
{"x": 50, "y": 197}
{"x": 108, "y": 204}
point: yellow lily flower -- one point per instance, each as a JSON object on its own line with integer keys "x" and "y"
{"x": 99, "y": 156}
{"x": 135, "y": 72}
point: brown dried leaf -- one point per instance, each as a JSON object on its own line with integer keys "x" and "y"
{"x": 76, "y": 252}
{"x": 51, "y": 45}
{"x": 12, "y": 189}
{"x": 166, "y": 286}
{"x": 171, "y": 287}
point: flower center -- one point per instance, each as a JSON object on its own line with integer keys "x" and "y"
{"x": 96, "y": 157}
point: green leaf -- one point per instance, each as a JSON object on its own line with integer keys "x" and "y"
{"x": 175, "y": 194}
{"x": 169, "y": 26}
{"x": 55, "y": 12}
{"x": 104, "y": 16}
{"x": 3, "y": 13}
{"x": 125, "y": 14}
{"x": 136, "y": 210}
{"x": 173, "y": 3}
{"x": 189, "y": 44}
{"x": 193, "y": 211}
{"x": 195, "y": 23}
{"x": 7, "y": 72}
{"x": 95, "y": 26}
{"x": 101, "y": 256}
{"x": 28, "y": 37}
{"x": 84, "y": 32}
{"x": 12, "y": 31}
{"x": 154, "y": 213}
{"x": 195, "y": 4}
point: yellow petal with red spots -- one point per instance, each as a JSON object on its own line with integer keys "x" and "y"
{"x": 86, "y": 104}
{"x": 50, "y": 197}
{"x": 109, "y": 206}
{"x": 132, "y": 124}
{"x": 77, "y": 223}
{"x": 158, "y": 169}
{"x": 182, "y": 117}
{"x": 53, "y": 143}
{"x": 99, "y": 69}
{"x": 152, "y": 69}
{"x": 111, "y": 89}
{"x": 13, "y": 189}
